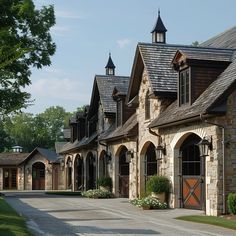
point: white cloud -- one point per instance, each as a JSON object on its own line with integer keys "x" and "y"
{"x": 123, "y": 42}
{"x": 67, "y": 14}
{"x": 60, "y": 30}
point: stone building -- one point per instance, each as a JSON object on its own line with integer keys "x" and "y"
{"x": 175, "y": 116}
{"x": 38, "y": 170}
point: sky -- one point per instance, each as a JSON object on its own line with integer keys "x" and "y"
{"x": 87, "y": 30}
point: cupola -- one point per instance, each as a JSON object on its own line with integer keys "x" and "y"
{"x": 110, "y": 67}
{"x": 159, "y": 31}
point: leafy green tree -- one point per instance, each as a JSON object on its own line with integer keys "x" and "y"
{"x": 195, "y": 43}
{"x": 54, "y": 118}
{"x": 20, "y": 128}
{"x": 25, "y": 42}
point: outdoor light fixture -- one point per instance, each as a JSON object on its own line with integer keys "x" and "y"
{"x": 129, "y": 155}
{"x": 62, "y": 164}
{"x": 204, "y": 146}
{"x": 69, "y": 163}
{"x": 28, "y": 171}
{"x": 107, "y": 156}
{"x": 160, "y": 151}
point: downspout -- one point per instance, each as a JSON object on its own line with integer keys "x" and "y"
{"x": 223, "y": 157}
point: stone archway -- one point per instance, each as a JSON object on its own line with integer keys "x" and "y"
{"x": 148, "y": 164}
{"x": 123, "y": 172}
{"x": 103, "y": 168}
{"x": 90, "y": 171}
{"x": 191, "y": 173}
{"x": 79, "y": 173}
{"x": 38, "y": 176}
{"x": 69, "y": 173}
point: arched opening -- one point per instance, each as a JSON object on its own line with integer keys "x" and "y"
{"x": 69, "y": 173}
{"x": 150, "y": 163}
{"x": 192, "y": 174}
{"x": 91, "y": 171}
{"x": 103, "y": 171}
{"x": 38, "y": 176}
{"x": 79, "y": 173}
{"x": 123, "y": 173}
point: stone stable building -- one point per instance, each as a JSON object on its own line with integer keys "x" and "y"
{"x": 175, "y": 116}
{"x": 38, "y": 170}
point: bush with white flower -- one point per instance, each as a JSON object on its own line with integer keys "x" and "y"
{"x": 97, "y": 193}
{"x": 151, "y": 202}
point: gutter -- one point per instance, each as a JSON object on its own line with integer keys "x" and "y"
{"x": 223, "y": 158}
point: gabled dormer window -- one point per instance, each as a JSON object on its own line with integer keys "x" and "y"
{"x": 147, "y": 106}
{"x": 184, "y": 86}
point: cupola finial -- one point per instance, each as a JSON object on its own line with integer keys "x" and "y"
{"x": 159, "y": 30}
{"x": 110, "y": 67}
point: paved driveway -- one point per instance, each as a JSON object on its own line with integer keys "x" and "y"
{"x": 80, "y": 216}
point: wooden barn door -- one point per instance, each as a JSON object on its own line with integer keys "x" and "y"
{"x": 192, "y": 175}
{"x": 9, "y": 178}
{"x": 38, "y": 176}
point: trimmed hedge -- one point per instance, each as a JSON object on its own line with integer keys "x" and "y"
{"x": 231, "y": 202}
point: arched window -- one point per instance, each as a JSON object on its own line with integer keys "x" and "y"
{"x": 147, "y": 106}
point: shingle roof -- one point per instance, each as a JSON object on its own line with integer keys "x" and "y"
{"x": 106, "y": 84}
{"x": 123, "y": 130}
{"x": 207, "y": 54}
{"x": 50, "y": 155}
{"x": 12, "y": 159}
{"x": 211, "y": 97}
{"x": 226, "y": 39}
{"x": 78, "y": 144}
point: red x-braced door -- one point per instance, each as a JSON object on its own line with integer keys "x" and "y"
{"x": 192, "y": 175}
{"x": 192, "y": 191}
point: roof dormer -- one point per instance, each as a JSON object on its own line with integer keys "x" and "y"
{"x": 198, "y": 68}
{"x": 159, "y": 31}
{"x": 110, "y": 67}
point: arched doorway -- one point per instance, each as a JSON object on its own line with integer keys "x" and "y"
{"x": 69, "y": 173}
{"x": 79, "y": 173}
{"x": 91, "y": 171}
{"x": 38, "y": 176}
{"x": 123, "y": 173}
{"x": 150, "y": 163}
{"x": 103, "y": 170}
{"x": 192, "y": 174}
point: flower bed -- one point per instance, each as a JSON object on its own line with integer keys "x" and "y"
{"x": 148, "y": 203}
{"x": 97, "y": 193}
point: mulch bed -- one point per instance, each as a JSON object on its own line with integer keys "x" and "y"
{"x": 229, "y": 217}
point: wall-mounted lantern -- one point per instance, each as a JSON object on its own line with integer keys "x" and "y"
{"x": 69, "y": 163}
{"x": 28, "y": 171}
{"x": 205, "y": 145}
{"x": 107, "y": 156}
{"x": 62, "y": 164}
{"x": 160, "y": 151}
{"x": 129, "y": 155}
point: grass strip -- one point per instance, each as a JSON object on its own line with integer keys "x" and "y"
{"x": 64, "y": 193}
{"x": 10, "y": 222}
{"x": 212, "y": 220}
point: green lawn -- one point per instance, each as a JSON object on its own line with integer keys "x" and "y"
{"x": 212, "y": 220}
{"x": 10, "y": 222}
{"x": 64, "y": 193}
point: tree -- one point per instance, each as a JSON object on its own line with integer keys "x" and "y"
{"x": 195, "y": 43}
{"x": 25, "y": 42}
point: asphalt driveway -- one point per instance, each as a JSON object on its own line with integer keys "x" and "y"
{"x": 50, "y": 215}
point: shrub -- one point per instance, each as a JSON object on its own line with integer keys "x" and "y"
{"x": 231, "y": 202}
{"x": 151, "y": 202}
{"x": 97, "y": 193}
{"x": 104, "y": 182}
{"x": 158, "y": 184}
